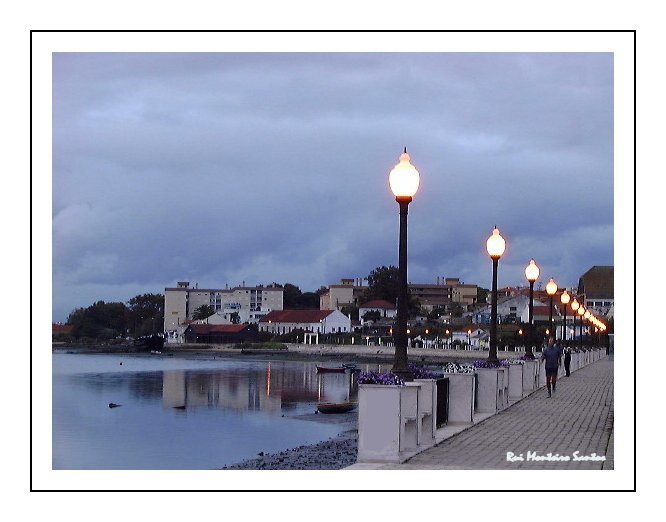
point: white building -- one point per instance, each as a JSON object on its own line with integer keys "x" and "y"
{"x": 250, "y": 303}
{"x": 315, "y": 321}
{"x": 385, "y": 309}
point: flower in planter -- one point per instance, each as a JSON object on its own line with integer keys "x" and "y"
{"x": 485, "y": 364}
{"x": 452, "y": 367}
{"x": 420, "y": 372}
{"x": 380, "y": 378}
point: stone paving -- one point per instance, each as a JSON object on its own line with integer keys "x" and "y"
{"x": 579, "y": 417}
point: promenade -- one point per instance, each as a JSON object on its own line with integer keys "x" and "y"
{"x": 578, "y": 418}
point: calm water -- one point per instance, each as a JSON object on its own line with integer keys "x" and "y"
{"x": 184, "y": 413}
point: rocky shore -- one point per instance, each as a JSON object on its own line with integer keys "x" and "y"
{"x": 335, "y": 453}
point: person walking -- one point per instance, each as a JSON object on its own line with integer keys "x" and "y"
{"x": 553, "y": 357}
{"x": 567, "y": 361}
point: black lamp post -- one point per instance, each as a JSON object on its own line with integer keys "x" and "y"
{"x": 495, "y": 246}
{"x": 581, "y": 312}
{"x": 551, "y": 290}
{"x": 564, "y": 299}
{"x": 404, "y": 181}
{"x": 532, "y": 274}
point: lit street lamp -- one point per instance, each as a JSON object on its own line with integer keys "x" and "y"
{"x": 532, "y": 274}
{"x": 495, "y": 246}
{"x": 564, "y": 299}
{"x": 551, "y": 290}
{"x": 581, "y": 313}
{"x": 404, "y": 182}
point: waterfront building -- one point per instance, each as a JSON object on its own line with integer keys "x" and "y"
{"x": 597, "y": 287}
{"x": 347, "y": 293}
{"x": 446, "y": 291}
{"x": 385, "y": 309}
{"x": 250, "y": 303}
{"x": 315, "y": 321}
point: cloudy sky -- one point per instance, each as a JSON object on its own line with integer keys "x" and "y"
{"x": 222, "y": 168}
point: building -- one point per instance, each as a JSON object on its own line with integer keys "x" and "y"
{"x": 250, "y": 303}
{"x": 219, "y": 333}
{"x": 386, "y": 309}
{"x": 315, "y": 321}
{"x": 347, "y": 293}
{"x": 449, "y": 290}
{"x": 596, "y": 286}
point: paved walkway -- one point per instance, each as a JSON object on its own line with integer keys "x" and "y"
{"x": 579, "y": 417}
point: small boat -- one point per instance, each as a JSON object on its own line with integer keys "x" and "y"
{"x": 323, "y": 369}
{"x": 340, "y": 407}
{"x": 349, "y": 366}
{"x": 155, "y": 352}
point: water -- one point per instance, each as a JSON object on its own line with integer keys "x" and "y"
{"x": 185, "y": 413}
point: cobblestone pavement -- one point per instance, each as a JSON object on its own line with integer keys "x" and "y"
{"x": 579, "y": 417}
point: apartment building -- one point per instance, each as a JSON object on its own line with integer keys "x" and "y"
{"x": 251, "y": 303}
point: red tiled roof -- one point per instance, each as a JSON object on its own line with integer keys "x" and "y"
{"x": 62, "y": 328}
{"x": 296, "y": 316}
{"x": 379, "y": 303}
{"x": 217, "y": 328}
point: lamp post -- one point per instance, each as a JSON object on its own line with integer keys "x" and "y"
{"x": 495, "y": 246}
{"x": 581, "y": 313}
{"x": 551, "y": 290}
{"x": 574, "y": 306}
{"x": 564, "y": 299}
{"x": 404, "y": 182}
{"x": 587, "y": 315}
{"x": 532, "y": 274}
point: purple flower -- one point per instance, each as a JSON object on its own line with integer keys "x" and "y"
{"x": 380, "y": 378}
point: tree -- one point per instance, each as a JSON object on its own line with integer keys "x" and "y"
{"x": 350, "y": 310}
{"x": 291, "y": 296}
{"x": 372, "y": 315}
{"x": 482, "y": 294}
{"x": 145, "y": 313}
{"x": 383, "y": 283}
{"x": 105, "y": 320}
{"x": 203, "y": 312}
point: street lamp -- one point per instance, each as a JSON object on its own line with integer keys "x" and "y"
{"x": 404, "y": 182}
{"x": 581, "y": 313}
{"x": 564, "y": 299}
{"x": 495, "y": 246}
{"x": 551, "y": 290}
{"x": 532, "y": 274}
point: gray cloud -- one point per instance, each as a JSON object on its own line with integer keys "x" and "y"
{"x": 219, "y": 168}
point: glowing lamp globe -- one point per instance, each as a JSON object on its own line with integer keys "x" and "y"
{"x": 575, "y": 304}
{"x": 587, "y": 314}
{"x": 404, "y": 178}
{"x": 495, "y": 244}
{"x": 581, "y": 310}
{"x": 565, "y": 298}
{"x": 551, "y": 287}
{"x": 532, "y": 271}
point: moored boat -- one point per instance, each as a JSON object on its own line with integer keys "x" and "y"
{"x": 323, "y": 369}
{"x": 339, "y": 407}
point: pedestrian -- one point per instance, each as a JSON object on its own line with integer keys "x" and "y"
{"x": 567, "y": 361}
{"x": 553, "y": 357}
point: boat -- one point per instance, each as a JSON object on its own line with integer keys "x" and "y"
{"x": 349, "y": 366}
{"x": 323, "y": 369}
{"x": 339, "y": 407}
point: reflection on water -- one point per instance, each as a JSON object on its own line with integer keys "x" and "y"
{"x": 184, "y": 414}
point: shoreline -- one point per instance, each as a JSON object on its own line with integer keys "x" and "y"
{"x": 295, "y": 352}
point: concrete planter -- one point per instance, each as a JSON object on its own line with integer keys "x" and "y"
{"x": 461, "y": 398}
{"x": 427, "y": 412}
{"x": 387, "y": 422}
{"x": 530, "y": 376}
{"x": 503, "y": 397}
{"x": 516, "y": 381}
{"x": 489, "y": 388}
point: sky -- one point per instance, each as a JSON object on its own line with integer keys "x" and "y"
{"x": 219, "y": 168}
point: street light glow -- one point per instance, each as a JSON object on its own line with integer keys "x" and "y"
{"x": 532, "y": 271}
{"x": 551, "y": 287}
{"x": 495, "y": 244}
{"x": 404, "y": 178}
{"x": 565, "y": 298}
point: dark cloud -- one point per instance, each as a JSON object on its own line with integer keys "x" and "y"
{"x": 220, "y": 168}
